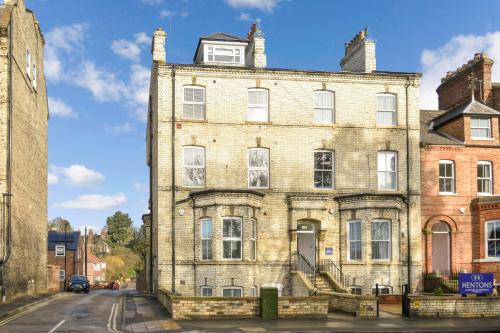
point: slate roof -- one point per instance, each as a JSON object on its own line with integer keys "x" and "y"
{"x": 472, "y": 108}
{"x": 433, "y": 136}
{"x": 58, "y": 238}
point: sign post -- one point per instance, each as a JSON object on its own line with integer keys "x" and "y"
{"x": 475, "y": 283}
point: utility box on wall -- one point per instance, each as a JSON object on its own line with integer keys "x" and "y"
{"x": 269, "y": 303}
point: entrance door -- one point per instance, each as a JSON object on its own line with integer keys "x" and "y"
{"x": 440, "y": 247}
{"x": 306, "y": 242}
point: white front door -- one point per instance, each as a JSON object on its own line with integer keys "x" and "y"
{"x": 306, "y": 242}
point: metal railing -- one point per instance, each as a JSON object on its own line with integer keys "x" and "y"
{"x": 301, "y": 264}
{"x": 447, "y": 280}
{"x": 328, "y": 266}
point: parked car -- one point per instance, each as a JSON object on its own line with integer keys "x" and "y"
{"x": 79, "y": 283}
{"x": 113, "y": 285}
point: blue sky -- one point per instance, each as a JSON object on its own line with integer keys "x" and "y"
{"x": 98, "y": 59}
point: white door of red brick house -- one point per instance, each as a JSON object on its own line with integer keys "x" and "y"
{"x": 440, "y": 247}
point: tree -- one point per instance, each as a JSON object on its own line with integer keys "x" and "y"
{"x": 120, "y": 229}
{"x": 58, "y": 223}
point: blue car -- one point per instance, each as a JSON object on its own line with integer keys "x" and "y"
{"x": 79, "y": 283}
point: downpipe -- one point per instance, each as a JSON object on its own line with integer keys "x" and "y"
{"x": 173, "y": 179}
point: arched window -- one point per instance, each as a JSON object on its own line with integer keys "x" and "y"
{"x": 386, "y": 110}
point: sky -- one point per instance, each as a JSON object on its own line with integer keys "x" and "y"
{"x": 97, "y": 65}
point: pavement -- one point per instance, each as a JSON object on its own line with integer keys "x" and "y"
{"x": 132, "y": 311}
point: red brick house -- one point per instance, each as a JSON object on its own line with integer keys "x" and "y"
{"x": 96, "y": 269}
{"x": 460, "y": 171}
{"x": 65, "y": 251}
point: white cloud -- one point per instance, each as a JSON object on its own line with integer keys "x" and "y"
{"x": 456, "y": 52}
{"x": 61, "y": 42}
{"x": 123, "y": 128}
{"x": 244, "y": 17}
{"x": 52, "y": 179}
{"x": 93, "y": 202}
{"x": 78, "y": 175}
{"x": 58, "y": 108}
{"x": 172, "y": 13}
{"x": 130, "y": 50}
{"x": 140, "y": 187}
{"x": 266, "y": 6}
{"x": 152, "y": 2}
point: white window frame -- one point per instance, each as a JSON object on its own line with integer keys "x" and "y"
{"x": 389, "y": 240}
{"x": 28, "y": 63}
{"x": 58, "y": 248}
{"x": 259, "y": 169}
{"x": 203, "y": 288}
{"x": 360, "y": 288}
{"x": 258, "y": 106}
{"x": 488, "y": 128}
{"x": 324, "y": 170}
{"x": 253, "y": 240}
{"x": 34, "y": 76}
{"x": 322, "y": 109}
{"x": 488, "y": 163}
{"x": 254, "y": 291}
{"x": 232, "y": 239}
{"x": 185, "y": 166}
{"x": 192, "y": 103}
{"x": 487, "y": 239}
{"x": 62, "y": 277}
{"x": 380, "y": 287}
{"x": 232, "y": 288}
{"x": 211, "y": 48}
{"x": 452, "y": 177}
{"x": 387, "y": 171}
{"x": 209, "y": 239}
{"x": 393, "y": 112}
{"x": 349, "y": 241}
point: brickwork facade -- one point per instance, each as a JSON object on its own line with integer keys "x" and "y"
{"x": 23, "y": 132}
{"x": 291, "y": 200}
{"x": 469, "y": 204}
{"x": 454, "y": 306}
{"x": 71, "y": 265}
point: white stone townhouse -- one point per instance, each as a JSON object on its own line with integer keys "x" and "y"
{"x": 281, "y": 177}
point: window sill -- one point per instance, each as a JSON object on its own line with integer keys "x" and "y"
{"x": 324, "y": 125}
{"x": 484, "y": 194}
{"x": 448, "y": 194}
{"x": 185, "y": 120}
{"x": 354, "y": 262}
{"x": 248, "y": 122}
{"x": 486, "y": 260}
{"x": 482, "y": 139}
{"x": 381, "y": 262}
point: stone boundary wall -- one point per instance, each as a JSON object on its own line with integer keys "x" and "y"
{"x": 186, "y": 307}
{"x": 454, "y": 306}
{"x": 359, "y": 305}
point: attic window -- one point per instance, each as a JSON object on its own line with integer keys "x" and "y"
{"x": 480, "y": 128}
{"x": 223, "y": 54}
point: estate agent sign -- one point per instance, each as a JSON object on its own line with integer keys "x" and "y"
{"x": 475, "y": 283}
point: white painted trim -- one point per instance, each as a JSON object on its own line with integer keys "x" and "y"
{"x": 349, "y": 242}
{"x": 231, "y": 238}
{"x": 486, "y": 256}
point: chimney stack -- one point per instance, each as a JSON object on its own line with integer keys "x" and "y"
{"x": 359, "y": 54}
{"x": 158, "y": 45}
{"x": 455, "y": 87}
{"x": 257, "y": 45}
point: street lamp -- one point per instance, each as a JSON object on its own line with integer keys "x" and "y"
{"x": 65, "y": 255}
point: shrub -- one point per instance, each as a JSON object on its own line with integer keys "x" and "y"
{"x": 438, "y": 292}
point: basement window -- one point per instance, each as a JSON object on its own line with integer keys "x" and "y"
{"x": 206, "y": 291}
{"x": 356, "y": 290}
{"x": 382, "y": 290}
{"x": 232, "y": 292}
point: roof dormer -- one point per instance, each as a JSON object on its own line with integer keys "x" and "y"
{"x": 221, "y": 49}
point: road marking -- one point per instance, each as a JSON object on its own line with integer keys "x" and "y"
{"x": 112, "y": 319}
{"x": 57, "y": 326}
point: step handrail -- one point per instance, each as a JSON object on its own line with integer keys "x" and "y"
{"x": 301, "y": 264}
{"x": 329, "y": 266}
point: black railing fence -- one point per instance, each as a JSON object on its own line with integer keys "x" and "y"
{"x": 301, "y": 264}
{"x": 446, "y": 280}
{"x": 328, "y": 266}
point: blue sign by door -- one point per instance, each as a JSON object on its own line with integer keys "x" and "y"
{"x": 328, "y": 251}
{"x": 475, "y": 283}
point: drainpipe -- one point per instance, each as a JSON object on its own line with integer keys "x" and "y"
{"x": 173, "y": 179}
{"x": 7, "y": 197}
{"x": 150, "y": 200}
{"x": 407, "y": 85}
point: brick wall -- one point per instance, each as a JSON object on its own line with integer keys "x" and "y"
{"x": 53, "y": 283}
{"x": 454, "y": 306}
{"x": 361, "y": 306}
{"x": 26, "y": 270}
{"x": 74, "y": 264}
{"x": 240, "y": 307}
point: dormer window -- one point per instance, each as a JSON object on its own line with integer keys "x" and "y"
{"x": 480, "y": 128}
{"x": 228, "y": 54}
